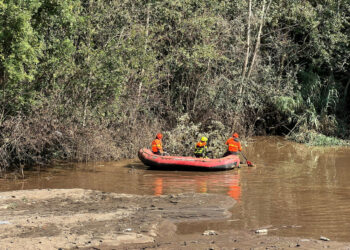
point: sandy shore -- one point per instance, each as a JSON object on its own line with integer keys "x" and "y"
{"x": 85, "y": 219}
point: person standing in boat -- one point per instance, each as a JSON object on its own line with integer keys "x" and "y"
{"x": 234, "y": 145}
{"x": 157, "y": 147}
{"x": 201, "y": 148}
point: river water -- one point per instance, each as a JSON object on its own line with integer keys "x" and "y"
{"x": 293, "y": 190}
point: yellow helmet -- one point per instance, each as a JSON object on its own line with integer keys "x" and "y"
{"x": 204, "y": 138}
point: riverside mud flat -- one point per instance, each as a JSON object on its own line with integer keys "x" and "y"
{"x": 86, "y": 219}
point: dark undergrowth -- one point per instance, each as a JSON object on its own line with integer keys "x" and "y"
{"x": 42, "y": 137}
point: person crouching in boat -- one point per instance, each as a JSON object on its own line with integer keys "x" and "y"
{"x": 201, "y": 148}
{"x": 234, "y": 145}
{"x": 157, "y": 147}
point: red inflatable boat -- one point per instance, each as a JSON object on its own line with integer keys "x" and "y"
{"x": 187, "y": 163}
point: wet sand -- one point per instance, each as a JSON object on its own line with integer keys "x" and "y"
{"x": 86, "y": 219}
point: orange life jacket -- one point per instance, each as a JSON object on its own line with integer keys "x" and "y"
{"x": 201, "y": 148}
{"x": 157, "y": 146}
{"x": 233, "y": 145}
{"x": 201, "y": 144}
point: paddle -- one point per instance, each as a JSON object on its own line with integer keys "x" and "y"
{"x": 250, "y": 164}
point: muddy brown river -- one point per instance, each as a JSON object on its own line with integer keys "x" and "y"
{"x": 293, "y": 190}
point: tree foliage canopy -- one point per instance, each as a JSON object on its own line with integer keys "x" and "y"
{"x": 119, "y": 64}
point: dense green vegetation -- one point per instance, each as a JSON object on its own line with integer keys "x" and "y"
{"x": 96, "y": 79}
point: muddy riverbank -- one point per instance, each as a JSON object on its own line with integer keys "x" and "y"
{"x": 86, "y": 219}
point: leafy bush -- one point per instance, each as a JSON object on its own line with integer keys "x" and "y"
{"x": 312, "y": 138}
{"x": 182, "y": 139}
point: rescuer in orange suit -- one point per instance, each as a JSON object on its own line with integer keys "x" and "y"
{"x": 157, "y": 147}
{"x": 201, "y": 148}
{"x": 233, "y": 145}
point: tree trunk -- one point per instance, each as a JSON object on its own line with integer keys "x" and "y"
{"x": 248, "y": 46}
{"x": 143, "y": 70}
{"x": 146, "y": 42}
{"x": 244, "y": 70}
{"x": 257, "y": 44}
{"x": 346, "y": 90}
{"x": 87, "y": 89}
{"x": 3, "y": 101}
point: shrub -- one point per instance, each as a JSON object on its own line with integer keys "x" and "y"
{"x": 312, "y": 138}
{"x": 181, "y": 140}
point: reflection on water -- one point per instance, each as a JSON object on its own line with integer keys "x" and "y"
{"x": 158, "y": 186}
{"x": 205, "y": 183}
{"x": 293, "y": 189}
